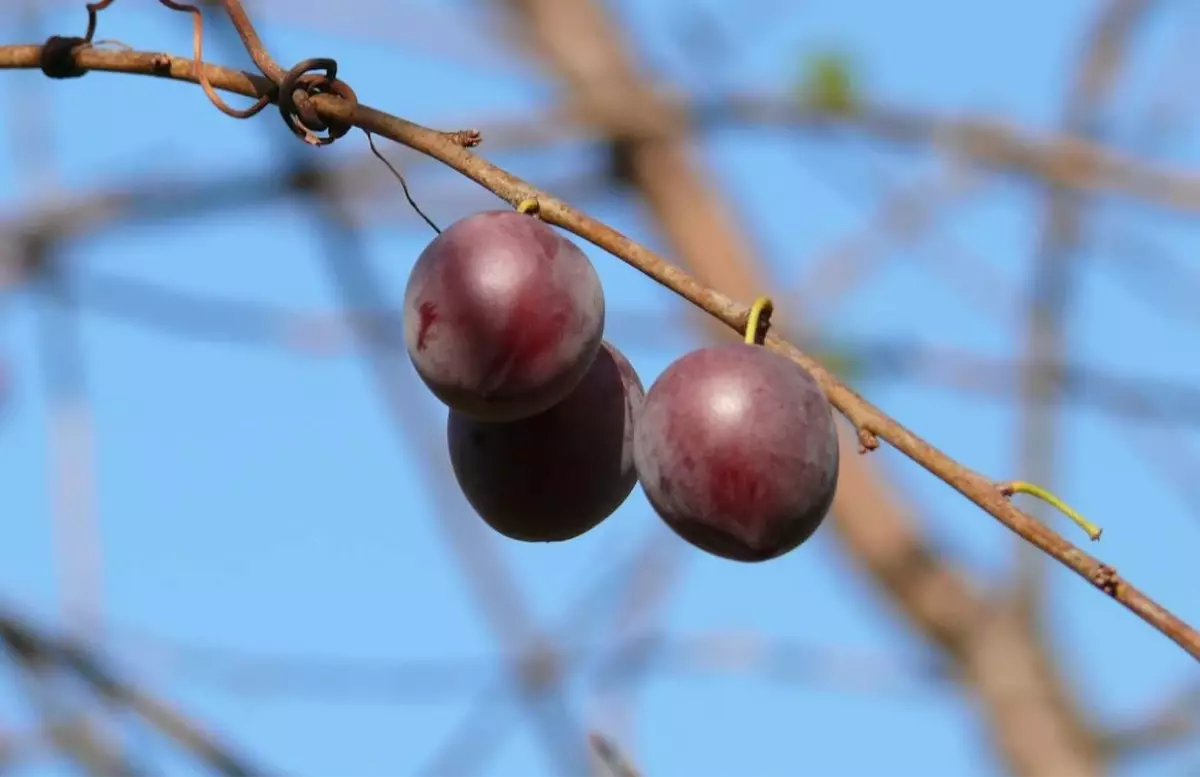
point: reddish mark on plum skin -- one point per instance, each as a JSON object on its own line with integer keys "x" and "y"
{"x": 531, "y": 334}
{"x": 750, "y": 488}
{"x": 428, "y": 315}
{"x": 735, "y": 489}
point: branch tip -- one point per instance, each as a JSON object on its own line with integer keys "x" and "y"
{"x": 468, "y": 138}
{"x": 1107, "y": 580}
{"x": 867, "y": 439}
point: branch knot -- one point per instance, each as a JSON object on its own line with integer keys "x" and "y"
{"x": 58, "y": 56}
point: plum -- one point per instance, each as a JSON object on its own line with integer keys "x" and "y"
{"x": 737, "y": 451}
{"x": 558, "y": 474}
{"x": 502, "y": 316}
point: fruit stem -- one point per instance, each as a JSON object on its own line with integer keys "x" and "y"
{"x": 760, "y": 313}
{"x": 1021, "y": 487}
{"x": 529, "y": 207}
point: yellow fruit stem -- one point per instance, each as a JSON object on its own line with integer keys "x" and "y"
{"x": 760, "y": 311}
{"x": 1021, "y": 487}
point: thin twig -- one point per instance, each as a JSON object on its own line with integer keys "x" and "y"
{"x": 403, "y": 184}
{"x": 615, "y": 762}
{"x": 41, "y": 652}
{"x": 254, "y": 45}
{"x": 1175, "y": 722}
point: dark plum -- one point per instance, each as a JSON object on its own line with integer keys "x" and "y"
{"x": 737, "y": 451}
{"x": 555, "y": 475}
{"x": 502, "y": 315}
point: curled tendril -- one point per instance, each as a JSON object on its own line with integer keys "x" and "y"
{"x": 93, "y": 9}
{"x": 758, "y": 320}
{"x": 295, "y": 105}
{"x": 198, "y": 65}
{"x": 58, "y": 51}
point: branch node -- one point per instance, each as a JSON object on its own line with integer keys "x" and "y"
{"x": 530, "y": 207}
{"x": 297, "y": 88}
{"x": 1021, "y": 487}
{"x": 160, "y": 64}
{"x": 868, "y": 440}
{"x": 58, "y": 56}
{"x": 1107, "y": 580}
{"x": 468, "y": 138}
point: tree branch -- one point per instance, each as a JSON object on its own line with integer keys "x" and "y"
{"x": 37, "y": 650}
{"x": 871, "y": 423}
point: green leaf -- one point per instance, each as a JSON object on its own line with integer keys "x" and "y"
{"x": 829, "y": 83}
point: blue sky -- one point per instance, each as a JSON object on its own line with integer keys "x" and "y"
{"x": 256, "y": 500}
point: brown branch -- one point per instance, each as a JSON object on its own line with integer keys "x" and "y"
{"x": 865, "y": 416}
{"x": 40, "y": 652}
{"x": 1175, "y": 722}
{"x": 254, "y": 46}
{"x": 615, "y": 762}
{"x": 68, "y": 731}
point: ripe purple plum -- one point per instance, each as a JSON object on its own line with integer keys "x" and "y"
{"x": 737, "y": 451}
{"x": 502, "y": 316}
{"x": 556, "y": 475}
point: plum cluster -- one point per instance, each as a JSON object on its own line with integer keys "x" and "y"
{"x": 550, "y": 428}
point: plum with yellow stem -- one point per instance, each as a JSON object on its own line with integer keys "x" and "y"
{"x": 737, "y": 451}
